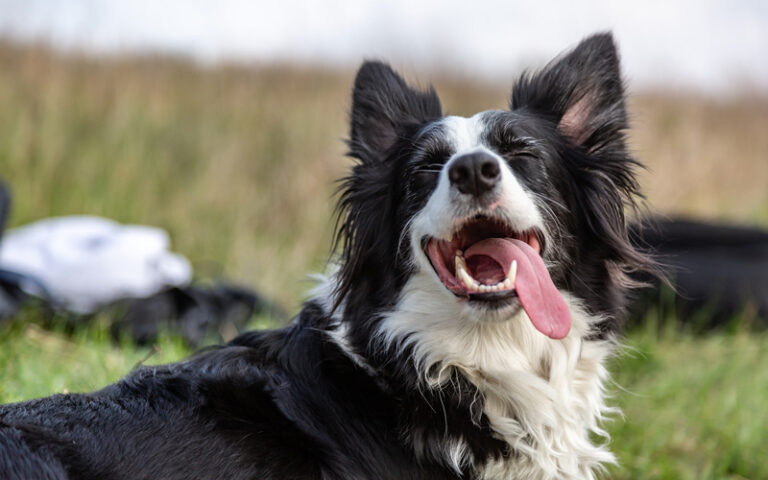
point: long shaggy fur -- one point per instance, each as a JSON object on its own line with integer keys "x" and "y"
{"x": 386, "y": 373}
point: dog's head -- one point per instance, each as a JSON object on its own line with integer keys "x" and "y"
{"x": 504, "y": 210}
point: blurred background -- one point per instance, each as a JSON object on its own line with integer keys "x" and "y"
{"x": 222, "y": 124}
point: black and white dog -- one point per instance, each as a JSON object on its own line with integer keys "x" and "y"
{"x": 479, "y": 287}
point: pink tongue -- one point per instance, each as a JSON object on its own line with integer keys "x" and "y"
{"x": 540, "y": 298}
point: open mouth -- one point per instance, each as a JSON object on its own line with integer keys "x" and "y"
{"x": 487, "y": 261}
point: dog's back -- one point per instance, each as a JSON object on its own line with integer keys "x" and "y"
{"x": 284, "y": 404}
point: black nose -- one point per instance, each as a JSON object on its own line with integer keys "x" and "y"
{"x": 474, "y": 173}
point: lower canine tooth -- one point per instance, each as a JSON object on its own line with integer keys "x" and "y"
{"x": 465, "y": 278}
{"x": 512, "y": 273}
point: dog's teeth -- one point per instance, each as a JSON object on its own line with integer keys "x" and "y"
{"x": 465, "y": 278}
{"x": 461, "y": 273}
{"x": 459, "y": 261}
{"x": 512, "y": 273}
{"x": 472, "y": 285}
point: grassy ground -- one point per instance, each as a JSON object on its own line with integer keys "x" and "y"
{"x": 238, "y": 164}
{"x": 694, "y": 407}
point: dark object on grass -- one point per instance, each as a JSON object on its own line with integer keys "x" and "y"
{"x": 87, "y": 263}
{"x": 193, "y": 312}
{"x": 718, "y": 271}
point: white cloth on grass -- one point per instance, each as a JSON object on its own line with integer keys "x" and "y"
{"x": 86, "y": 262}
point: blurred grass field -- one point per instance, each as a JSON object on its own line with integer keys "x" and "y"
{"x": 238, "y": 164}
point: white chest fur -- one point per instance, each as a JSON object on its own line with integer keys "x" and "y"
{"x": 542, "y": 396}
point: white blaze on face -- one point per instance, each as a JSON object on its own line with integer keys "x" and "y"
{"x": 447, "y": 207}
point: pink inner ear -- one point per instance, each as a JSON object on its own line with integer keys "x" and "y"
{"x": 575, "y": 121}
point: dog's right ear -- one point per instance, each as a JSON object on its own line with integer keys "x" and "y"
{"x": 384, "y": 107}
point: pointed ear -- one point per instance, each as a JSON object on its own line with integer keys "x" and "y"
{"x": 383, "y": 106}
{"x": 582, "y": 92}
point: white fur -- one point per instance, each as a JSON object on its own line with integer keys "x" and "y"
{"x": 542, "y": 396}
{"x": 447, "y": 208}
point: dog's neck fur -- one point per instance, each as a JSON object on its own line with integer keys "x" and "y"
{"x": 542, "y": 397}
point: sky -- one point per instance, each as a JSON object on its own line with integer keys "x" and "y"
{"x": 706, "y": 45}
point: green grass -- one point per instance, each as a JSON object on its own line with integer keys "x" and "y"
{"x": 238, "y": 164}
{"x": 36, "y": 362}
{"x": 694, "y": 406}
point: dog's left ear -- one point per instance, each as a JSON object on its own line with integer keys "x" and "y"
{"x": 582, "y": 92}
{"x": 383, "y": 108}
{"x": 583, "y": 95}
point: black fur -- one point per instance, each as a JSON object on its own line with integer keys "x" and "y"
{"x": 282, "y": 404}
{"x": 386, "y": 115}
{"x": 719, "y": 273}
{"x": 290, "y": 403}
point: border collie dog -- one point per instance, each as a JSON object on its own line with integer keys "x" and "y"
{"x": 478, "y": 290}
